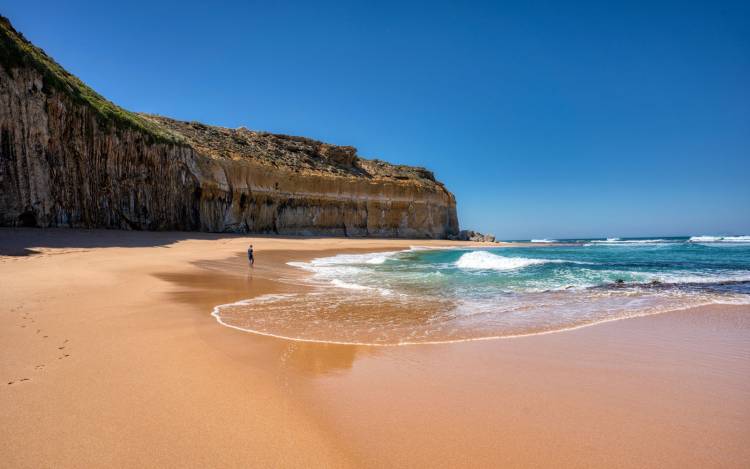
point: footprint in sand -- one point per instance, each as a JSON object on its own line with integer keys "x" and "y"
{"x": 18, "y": 381}
{"x": 39, "y": 367}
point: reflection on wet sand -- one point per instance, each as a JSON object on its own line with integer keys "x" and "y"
{"x": 315, "y": 359}
{"x": 220, "y": 281}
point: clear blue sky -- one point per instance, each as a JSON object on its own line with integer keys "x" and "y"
{"x": 546, "y": 119}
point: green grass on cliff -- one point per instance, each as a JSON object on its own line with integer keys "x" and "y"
{"x": 17, "y": 52}
{"x": 296, "y": 153}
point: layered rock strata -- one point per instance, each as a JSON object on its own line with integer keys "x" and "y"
{"x": 69, "y": 157}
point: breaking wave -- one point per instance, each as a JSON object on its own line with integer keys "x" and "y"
{"x": 719, "y": 239}
{"x": 419, "y": 296}
{"x": 483, "y": 260}
{"x": 630, "y": 241}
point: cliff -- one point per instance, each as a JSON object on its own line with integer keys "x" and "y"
{"x": 69, "y": 157}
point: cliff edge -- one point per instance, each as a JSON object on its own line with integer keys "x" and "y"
{"x": 69, "y": 157}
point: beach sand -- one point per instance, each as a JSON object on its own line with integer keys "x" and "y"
{"x": 110, "y": 357}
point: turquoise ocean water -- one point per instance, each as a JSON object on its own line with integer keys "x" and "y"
{"x": 440, "y": 295}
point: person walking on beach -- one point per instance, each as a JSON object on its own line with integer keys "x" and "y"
{"x": 250, "y": 257}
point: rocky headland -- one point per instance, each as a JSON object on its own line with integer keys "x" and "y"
{"x": 69, "y": 157}
{"x": 471, "y": 235}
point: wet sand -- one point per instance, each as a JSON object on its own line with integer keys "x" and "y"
{"x": 110, "y": 357}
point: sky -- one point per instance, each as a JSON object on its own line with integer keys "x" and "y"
{"x": 545, "y": 119}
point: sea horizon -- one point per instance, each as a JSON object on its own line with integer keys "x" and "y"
{"x": 374, "y": 234}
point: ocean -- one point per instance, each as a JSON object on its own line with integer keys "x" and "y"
{"x": 423, "y": 295}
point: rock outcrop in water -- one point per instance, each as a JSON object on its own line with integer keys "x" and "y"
{"x": 69, "y": 157}
{"x": 471, "y": 235}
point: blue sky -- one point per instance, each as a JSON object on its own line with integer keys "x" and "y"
{"x": 546, "y": 119}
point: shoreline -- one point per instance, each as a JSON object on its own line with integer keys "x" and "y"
{"x": 150, "y": 379}
{"x": 688, "y": 309}
{"x": 413, "y": 244}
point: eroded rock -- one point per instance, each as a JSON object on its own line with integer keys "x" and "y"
{"x": 70, "y": 158}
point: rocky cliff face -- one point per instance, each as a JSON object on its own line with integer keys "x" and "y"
{"x": 68, "y": 157}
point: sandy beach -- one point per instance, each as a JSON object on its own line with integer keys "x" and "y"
{"x": 110, "y": 357}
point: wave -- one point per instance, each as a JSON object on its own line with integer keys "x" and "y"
{"x": 345, "y": 259}
{"x": 331, "y": 270}
{"x": 719, "y": 239}
{"x": 354, "y": 286}
{"x": 371, "y": 258}
{"x": 630, "y": 241}
{"x": 697, "y": 278}
{"x": 737, "y": 239}
{"x": 544, "y": 240}
{"x": 428, "y": 248}
{"x": 483, "y": 260}
{"x": 474, "y": 294}
{"x": 282, "y": 315}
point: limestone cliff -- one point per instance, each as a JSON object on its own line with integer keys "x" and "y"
{"x": 69, "y": 157}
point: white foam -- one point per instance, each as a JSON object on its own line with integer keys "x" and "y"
{"x": 377, "y": 260}
{"x": 719, "y": 239}
{"x": 268, "y": 298}
{"x": 623, "y": 242}
{"x": 301, "y": 265}
{"x": 331, "y": 270}
{"x": 348, "y": 259}
{"x": 349, "y": 286}
{"x": 673, "y": 278}
{"x": 483, "y": 260}
{"x": 543, "y": 240}
{"x": 552, "y": 305}
{"x": 507, "y": 320}
{"x": 354, "y": 286}
{"x": 372, "y": 258}
{"x": 428, "y": 248}
{"x": 704, "y": 239}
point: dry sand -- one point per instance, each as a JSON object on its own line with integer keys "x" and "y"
{"x": 110, "y": 358}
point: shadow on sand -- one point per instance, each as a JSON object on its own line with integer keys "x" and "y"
{"x": 214, "y": 282}
{"x": 27, "y": 241}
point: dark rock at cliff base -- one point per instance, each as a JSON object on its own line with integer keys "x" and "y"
{"x": 69, "y": 157}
